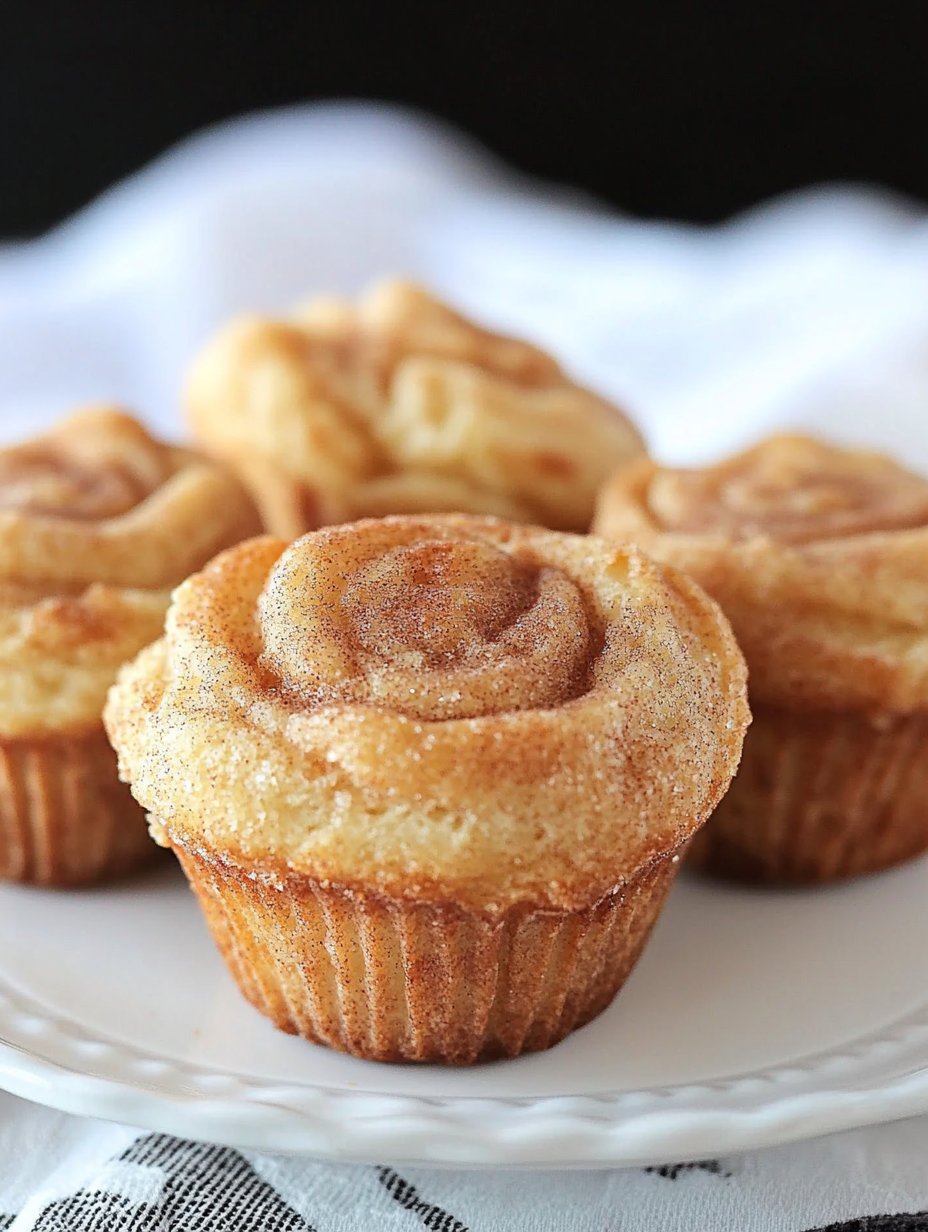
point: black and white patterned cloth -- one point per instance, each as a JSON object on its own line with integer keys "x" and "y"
{"x": 59, "y": 1173}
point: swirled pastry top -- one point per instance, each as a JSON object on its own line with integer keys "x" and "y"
{"x": 97, "y": 522}
{"x": 397, "y": 404}
{"x": 818, "y": 555}
{"x": 453, "y": 707}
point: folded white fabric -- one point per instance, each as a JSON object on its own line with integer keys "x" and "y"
{"x": 809, "y": 312}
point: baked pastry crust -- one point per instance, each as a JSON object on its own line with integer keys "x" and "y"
{"x": 817, "y": 555}
{"x": 97, "y": 522}
{"x": 430, "y": 777}
{"x": 448, "y": 708}
{"x": 397, "y": 404}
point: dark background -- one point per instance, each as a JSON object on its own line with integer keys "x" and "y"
{"x": 687, "y": 110}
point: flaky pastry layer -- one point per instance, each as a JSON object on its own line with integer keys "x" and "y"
{"x": 397, "y": 404}
{"x": 818, "y": 556}
{"x": 449, "y": 708}
{"x": 98, "y": 521}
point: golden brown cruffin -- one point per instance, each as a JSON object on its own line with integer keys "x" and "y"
{"x": 97, "y": 522}
{"x": 819, "y": 557}
{"x": 397, "y": 404}
{"x": 429, "y": 776}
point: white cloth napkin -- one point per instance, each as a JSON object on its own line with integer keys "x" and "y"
{"x": 812, "y": 311}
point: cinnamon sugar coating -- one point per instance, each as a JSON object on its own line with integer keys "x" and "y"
{"x": 447, "y": 709}
{"x": 397, "y": 404}
{"x": 97, "y": 522}
{"x": 818, "y": 555}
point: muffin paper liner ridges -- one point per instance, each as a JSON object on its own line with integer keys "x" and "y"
{"x": 397, "y": 981}
{"x": 65, "y": 819}
{"x": 820, "y": 796}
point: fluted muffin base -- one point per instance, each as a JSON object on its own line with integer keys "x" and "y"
{"x": 820, "y": 797}
{"x": 65, "y": 819}
{"x": 395, "y": 981}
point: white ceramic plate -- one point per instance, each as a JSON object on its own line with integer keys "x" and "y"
{"x": 753, "y": 1018}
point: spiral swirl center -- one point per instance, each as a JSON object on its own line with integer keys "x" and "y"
{"x": 431, "y": 626}
{"x": 794, "y": 490}
{"x": 434, "y": 599}
{"x": 43, "y": 481}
